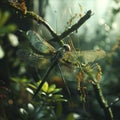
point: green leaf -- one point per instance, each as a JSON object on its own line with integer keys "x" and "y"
{"x": 19, "y": 80}
{"x": 14, "y": 79}
{"x": 45, "y": 87}
{"x": 4, "y": 17}
{"x": 51, "y": 88}
{"x": 30, "y": 90}
{"x": 7, "y": 29}
{"x": 57, "y": 90}
{"x": 32, "y": 86}
{"x": 70, "y": 117}
{"x": 62, "y": 100}
{"x": 57, "y": 96}
{"x": 30, "y": 107}
{"x": 23, "y": 111}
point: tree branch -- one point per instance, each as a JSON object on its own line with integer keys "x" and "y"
{"x": 39, "y": 19}
{"x": 99, "y": 96}
{"x": 74, "y": 27}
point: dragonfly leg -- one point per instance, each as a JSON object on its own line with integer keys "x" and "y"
{"x": 63, "y": 79}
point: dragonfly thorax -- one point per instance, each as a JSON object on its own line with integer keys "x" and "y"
{"x": 62, "y": 50}
{"x": 66, "y": 47}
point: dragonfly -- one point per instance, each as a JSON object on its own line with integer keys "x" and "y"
{"x": 48, "y": 55}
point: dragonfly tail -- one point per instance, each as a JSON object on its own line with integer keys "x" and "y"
{"x": 68, "y": 90}
{"x": 44, "y": 78}
{"x": 39, "y": 88}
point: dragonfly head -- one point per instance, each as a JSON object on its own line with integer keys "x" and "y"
{"x": 66, "y": 47}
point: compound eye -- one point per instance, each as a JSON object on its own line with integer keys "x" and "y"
{"x": 67, "y": 47}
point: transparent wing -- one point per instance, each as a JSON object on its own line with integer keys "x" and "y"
{"x": 33, "y": 59}
{"x": 39, "y": 43}
{"x": 83, "y": 56}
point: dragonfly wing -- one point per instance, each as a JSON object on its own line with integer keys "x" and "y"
{"x": 69, "y": 58}
{"x": 92, "y": 55}
{"x": 75, "y": 57}
{"x": 33, "y": 59}
{"x": 39, "y": 43}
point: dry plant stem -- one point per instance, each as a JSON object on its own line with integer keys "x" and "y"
{"x": 53, "y": 33}
{"x": 102, "y": 102}
{"x": 100, "y": 98}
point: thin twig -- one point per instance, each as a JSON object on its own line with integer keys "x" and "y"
{"x": 60, "y": 70}
{"x": 74, "y": 27}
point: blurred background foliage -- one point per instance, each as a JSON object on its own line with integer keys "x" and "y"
{"x": 101, "y": 31}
